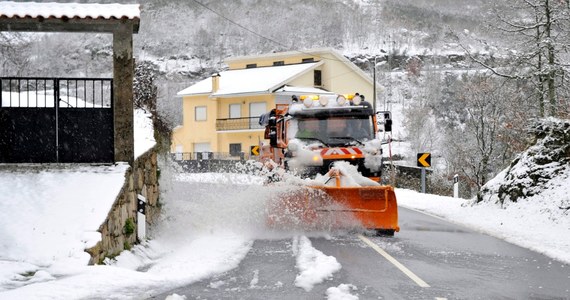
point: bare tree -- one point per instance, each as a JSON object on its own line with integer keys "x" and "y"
{"x": 475, "y": 148}
{"x": 14, "y": 53}
{"x": 419, "y": 117}
{"x": 539, "y": 29}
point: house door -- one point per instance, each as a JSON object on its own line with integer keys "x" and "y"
{"x": 256, "y": 109}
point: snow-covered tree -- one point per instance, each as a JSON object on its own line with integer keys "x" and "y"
{"x": 474, "y": 147}
{"x": 539, "y": 30}
{"x": 15, "y": 55}
{"x": 144, "y": 87}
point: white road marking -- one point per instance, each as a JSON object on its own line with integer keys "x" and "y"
{"x": 438, "y": 298}
{"x": 431, "y": 215}
{"x": 396, "y": 263}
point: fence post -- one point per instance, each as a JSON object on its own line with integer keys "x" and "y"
{"x": 456, "y": 186}
{"x": 56, "y": 107}
{"x": 423, "y": 180}
{"x": 141, "y": 218}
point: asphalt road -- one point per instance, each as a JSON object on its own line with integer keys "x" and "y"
{"x": 428, "y": 259}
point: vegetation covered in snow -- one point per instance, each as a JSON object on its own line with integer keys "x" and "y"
{"x": 464, "y": 77}
{"x": 544, "y": 166}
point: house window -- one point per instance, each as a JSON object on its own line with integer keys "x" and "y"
{"x": 279, "y": 63}
{"x": 202, "y": 151}
{"x": 201, "y": 113}
{"x": 202, "y": 147}
{"x": 318, "y": 78}
{"x": 250, "y": 66}
{"x": 235, "y": 110}
{"x": 256, "y": 109}
{"x": 235, "y": 149}
{"x": 179, "y": 149}
{"x": 308, "y": 60}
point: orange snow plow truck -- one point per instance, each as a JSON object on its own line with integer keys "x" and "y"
{"x": 316, "y": 136}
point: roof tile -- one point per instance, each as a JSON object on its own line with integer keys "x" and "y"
{"x": 11, "y": 9}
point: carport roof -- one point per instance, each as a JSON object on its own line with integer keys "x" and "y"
{"x": 66, "y": 17}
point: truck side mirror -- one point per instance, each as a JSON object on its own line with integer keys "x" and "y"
{"x": 384, "y": 118}
{"x": 273, "y": 137}
{"x": 388, "y": 126}
{"x": 272, "y": 122}
{"x": 272, "y": 131}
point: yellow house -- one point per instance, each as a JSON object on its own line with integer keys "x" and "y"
{"x": 220, "y": 114}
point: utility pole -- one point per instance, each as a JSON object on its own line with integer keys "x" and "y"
{"x": 376, "y": 65}
{"x": 374, "y": 70}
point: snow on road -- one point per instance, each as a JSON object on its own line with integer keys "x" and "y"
{"x": 208, "y": 230}
{"x": 342, "y": 292}
{"x": 315, "y": 267}
{"x": 159, "y": 265}
{"x": 535, "y": 223}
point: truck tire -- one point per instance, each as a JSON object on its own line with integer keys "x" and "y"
{"x": 384, "y": 232}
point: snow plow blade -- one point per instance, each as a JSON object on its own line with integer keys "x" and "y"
{"x": 326, "y": 207}
{"x": 375, "y": 207}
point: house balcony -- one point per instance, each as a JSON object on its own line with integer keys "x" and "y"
{"x": 248, "y": 123}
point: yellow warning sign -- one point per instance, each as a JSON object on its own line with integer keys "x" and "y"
{"x": 254, "y": 150}
{"x": 424, "y": 160}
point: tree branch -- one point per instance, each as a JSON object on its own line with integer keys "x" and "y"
{"x": 487, "y": 66}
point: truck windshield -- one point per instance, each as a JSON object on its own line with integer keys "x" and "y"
{"x": 335, "y": 130}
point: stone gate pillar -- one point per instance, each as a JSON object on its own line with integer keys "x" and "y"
{"x": 123, "y": 74}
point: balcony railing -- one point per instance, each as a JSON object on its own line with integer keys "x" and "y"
{"x": 211, "y": 156}
{"x": 238, "y": 124}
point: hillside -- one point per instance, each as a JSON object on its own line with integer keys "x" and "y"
{"x": 186, "y": 41}
{"x": 540, "y": 175}
{"x": 210, "y": 31}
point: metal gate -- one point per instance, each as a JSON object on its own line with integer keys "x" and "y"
{"x": 65, "y": 120}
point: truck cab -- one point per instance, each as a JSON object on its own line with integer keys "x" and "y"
{"x": 319, "y": 130}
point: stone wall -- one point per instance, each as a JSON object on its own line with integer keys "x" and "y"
{"x": 119, "y": 230}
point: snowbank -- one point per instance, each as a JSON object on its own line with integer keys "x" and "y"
{"x": 49, "y": 214}
{"x": 528, "y": 223}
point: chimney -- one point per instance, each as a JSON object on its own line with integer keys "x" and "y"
{"x": 215, "y": 82}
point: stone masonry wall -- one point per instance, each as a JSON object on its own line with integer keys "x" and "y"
{"x": 119, "y": 230}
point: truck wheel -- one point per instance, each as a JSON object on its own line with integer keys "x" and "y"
{"x": 385, "y": 232}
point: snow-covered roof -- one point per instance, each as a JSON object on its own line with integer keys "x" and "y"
{"x": 10, "y": 9}
{"x": 261, "y": 80}
{"x": 280, "y": 55}
{"x": 317, "y": 52}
